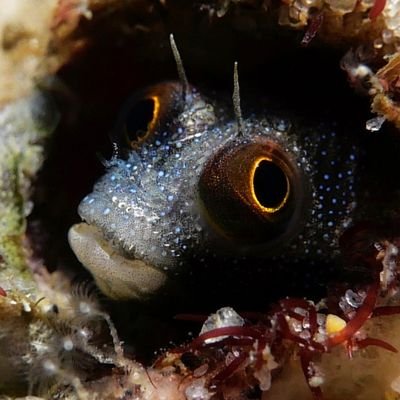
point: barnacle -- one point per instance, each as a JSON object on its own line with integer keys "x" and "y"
{"x": 58, "y": 342}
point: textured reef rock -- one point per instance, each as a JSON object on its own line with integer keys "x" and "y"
{"x": 56, "y": 340}
{"x": 24, "y": 46}
{"x": 24, "y": 126}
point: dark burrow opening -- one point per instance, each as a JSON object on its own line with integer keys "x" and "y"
{"x": 96, "y": 82}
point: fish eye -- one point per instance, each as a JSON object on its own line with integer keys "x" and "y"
{"x": 141, "y": 119}
{"x": 269, "y": 184}
{"x": 253, "y": 192}
{"x": 147, "y": 112}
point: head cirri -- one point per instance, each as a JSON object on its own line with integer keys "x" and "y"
{"x": 199, "y": 182}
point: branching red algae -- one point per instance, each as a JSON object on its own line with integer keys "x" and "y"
{"x": 292, "y": 327}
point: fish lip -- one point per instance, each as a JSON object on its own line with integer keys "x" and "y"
{"x": 117, "y": 276}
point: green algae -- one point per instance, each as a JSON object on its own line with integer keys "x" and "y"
{"x": 24, "y": 126}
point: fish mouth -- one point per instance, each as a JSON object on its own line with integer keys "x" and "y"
{"x": 118, "y": 277}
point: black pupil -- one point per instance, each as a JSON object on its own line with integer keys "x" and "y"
{"x": 139, "y": 118}
{"x": 270, "y": 184}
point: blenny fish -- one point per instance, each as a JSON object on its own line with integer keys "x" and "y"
{"x": 198, "y": 193}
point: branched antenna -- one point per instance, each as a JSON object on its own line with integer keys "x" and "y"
{"x": 179, "y": 66}
{"x": 115, "y": 153}
{"x": 236, "y": 100}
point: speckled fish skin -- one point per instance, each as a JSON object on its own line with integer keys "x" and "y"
{"x": 147, "y": 204}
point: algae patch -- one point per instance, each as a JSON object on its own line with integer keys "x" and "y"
{"x": 24, "y": 125}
